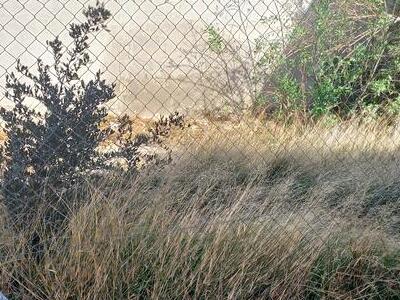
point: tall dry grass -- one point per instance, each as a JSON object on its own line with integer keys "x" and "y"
{"x": 260, "y": 212}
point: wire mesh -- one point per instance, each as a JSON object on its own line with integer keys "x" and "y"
{"x": 202, "y": 59}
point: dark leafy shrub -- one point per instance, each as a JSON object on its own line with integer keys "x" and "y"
{"x": 56, "y": 146}
{"x": 130, "y": 143}
{"x": 48, "y": 152}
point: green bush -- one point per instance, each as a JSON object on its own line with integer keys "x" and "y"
{"x": 344, "y": 55}
{"x": 341, "y": 60}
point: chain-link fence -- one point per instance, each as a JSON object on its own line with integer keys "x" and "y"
{"x": 157, "y": 53}
{"x": 287, "y": 109}
{"x": 165, "y": 59}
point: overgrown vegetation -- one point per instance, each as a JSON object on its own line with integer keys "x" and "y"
{"x": 340, "y": 61}
{"x": 256, "y": 210}
{"x": 343, "y": 60}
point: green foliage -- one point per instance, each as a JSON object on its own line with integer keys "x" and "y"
{"x": 393, "y": 108}
{"x": 343, "y": 61}
{"x": 360, "y": 78}
{"x": 290, "y": 95}
{"x": 215, "y": 40}
{"x": 337, "y": 81}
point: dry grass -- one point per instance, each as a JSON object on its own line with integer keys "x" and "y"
{"x": 3, "y": 136}
{"x": 260, "y": 212}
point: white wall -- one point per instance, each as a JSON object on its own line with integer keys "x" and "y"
{"x": 146, "y": 51}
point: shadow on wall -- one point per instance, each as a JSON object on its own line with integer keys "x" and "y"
{"x": 162, "y": 96}
{"x": 167, "y": 65}
{"x": 156, "y": 51}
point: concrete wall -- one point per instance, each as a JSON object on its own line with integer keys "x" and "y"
{"x": 155, "y": 48}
